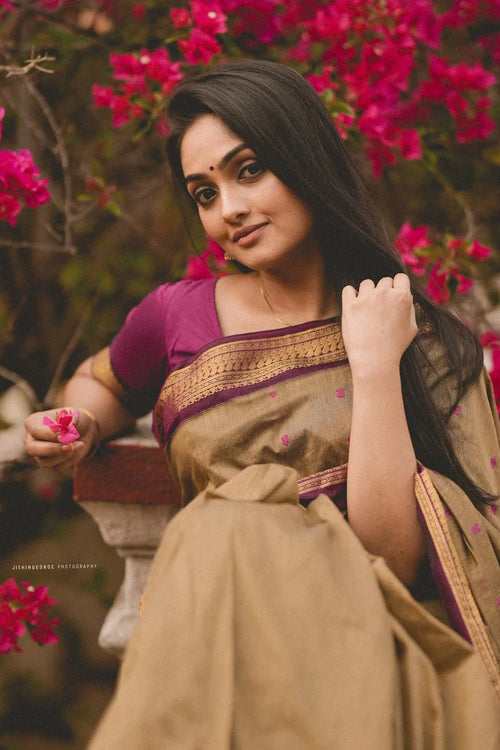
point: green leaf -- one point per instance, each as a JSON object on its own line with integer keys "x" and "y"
{"x": 113, "y": 208}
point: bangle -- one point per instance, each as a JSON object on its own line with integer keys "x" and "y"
{"x": 95, "y": 446}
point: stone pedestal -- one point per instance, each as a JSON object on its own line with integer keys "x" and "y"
{"x": 127, "y": 490}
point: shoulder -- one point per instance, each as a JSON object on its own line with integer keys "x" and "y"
{"x": 176, "y": 292}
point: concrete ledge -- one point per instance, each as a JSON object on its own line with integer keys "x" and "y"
{"x": 131, "y": 469}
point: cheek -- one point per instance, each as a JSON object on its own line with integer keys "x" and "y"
{"x": 207, "y": 222}
{"x": 301, "y": 219}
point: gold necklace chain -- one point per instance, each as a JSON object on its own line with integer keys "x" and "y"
{"x": 264, "y": 295}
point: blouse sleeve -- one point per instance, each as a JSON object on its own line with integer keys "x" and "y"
{"x": 135, "y": 365}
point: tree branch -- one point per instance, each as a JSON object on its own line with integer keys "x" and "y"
{"x": 50, "y": 396}
{"x": 33, "y": 63}
{"x": 21, "y": 383}
{"x": 44, "y": 246}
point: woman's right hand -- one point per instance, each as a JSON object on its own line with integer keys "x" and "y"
{"x": 43, "y": 444}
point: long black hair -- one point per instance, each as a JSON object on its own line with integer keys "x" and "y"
{"x": 283, "y": 120}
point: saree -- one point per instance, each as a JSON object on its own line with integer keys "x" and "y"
{"x": 265, "y": 623}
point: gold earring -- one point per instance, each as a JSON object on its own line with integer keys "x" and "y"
{"x": 227, "y": 257}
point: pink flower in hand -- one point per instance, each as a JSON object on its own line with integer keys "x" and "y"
{"x": 63, "y": 426}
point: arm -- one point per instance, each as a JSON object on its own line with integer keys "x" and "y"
{"x": 378, "y": 325}
{"x": 85, "y": 391}
{"x": 117, "y": 385}
{"x": 82, "y": 392}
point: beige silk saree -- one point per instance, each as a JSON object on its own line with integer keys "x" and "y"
{"x": 265, "y": 623}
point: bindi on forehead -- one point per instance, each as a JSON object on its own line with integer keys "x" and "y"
{"x": 211, "y": 169}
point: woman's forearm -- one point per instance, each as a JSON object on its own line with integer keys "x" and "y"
{"x": 85, "y": 392}
{"x": 380, "y": 482}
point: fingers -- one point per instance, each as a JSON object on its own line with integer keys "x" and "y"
{"x": 52, "y": 454}
{"x": 349, "y": 293}
{"x": 43, "y": 446}
{"x": 399, "y": 281}
{"x": 34, "y": 426}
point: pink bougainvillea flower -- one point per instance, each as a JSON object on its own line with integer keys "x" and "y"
{"x": 442, "y": 280}
{"x": 323, "y": 82}
{"x": 478, "y": 251}
{"x": 138, "y": 12}
{"x": 11, "y": 628}
{"x": 495, "y": 373}
{"x": 102, "y": 95}
{"x": 19, "y": 182}
{"x": 198, "y": 268}
{"x": 409, "y": 144}
{"x": 214, "y": 250}
{"x": 259, "y": 21}
{"x": 63, "y": 426}
{"x": 9, "y": 208}
{"x": 409, "y": 240}
{"x": 199, "y": 47}
{"x": 180, "y": 17}
{"x": 51, "y": 4}
{"x": 437, "y": 288}
{"x": 208, "y": 16}
{"x": 209, "y": 263}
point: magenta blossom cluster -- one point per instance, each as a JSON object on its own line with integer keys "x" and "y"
{"x": 449, "y": 266}
{"x": 377, "y": 63}
{"x": 19, "y": 182}
{"x": 25, "y": 609}
{"x": 145, "y": 79}
{"x": 378, "y": 60}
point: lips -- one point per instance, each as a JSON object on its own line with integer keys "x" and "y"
{"x": 246, "y": 231}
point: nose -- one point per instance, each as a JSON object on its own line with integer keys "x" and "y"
{"x": 234, "y": 205}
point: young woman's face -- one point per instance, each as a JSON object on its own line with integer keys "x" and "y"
{"x": 243, "y": 206}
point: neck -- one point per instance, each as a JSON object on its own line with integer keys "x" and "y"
{"x": 299, "y": 293}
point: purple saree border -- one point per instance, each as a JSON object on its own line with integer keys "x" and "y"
{"x": 442, "y": 582}
{"x": 236, "y": 365}
{"x": 330, "y": 482}
{"x": 450, "y": 578}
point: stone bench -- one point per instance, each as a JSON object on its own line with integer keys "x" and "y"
{"x": 128, "y": 491}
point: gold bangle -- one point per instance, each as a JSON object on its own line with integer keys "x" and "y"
{"x": 95, "y": 446}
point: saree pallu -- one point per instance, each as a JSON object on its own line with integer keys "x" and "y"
{"x": 266, "y": 625}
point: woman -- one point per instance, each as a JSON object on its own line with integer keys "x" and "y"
{"x": 278, "y": 611}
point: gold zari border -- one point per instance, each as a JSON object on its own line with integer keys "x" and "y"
{"x": 241, "y": 363}
{"x": 435, "y": 518}
{"x": 322, "y": 479}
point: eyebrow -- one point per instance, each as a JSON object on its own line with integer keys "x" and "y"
{"x": 220, "y": 165}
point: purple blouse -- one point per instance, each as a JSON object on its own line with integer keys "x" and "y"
{"x": 159, "y": 335}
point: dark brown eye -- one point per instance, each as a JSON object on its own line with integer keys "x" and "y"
{"x": 204, "y": 196}
{"x": 253, "y": 169}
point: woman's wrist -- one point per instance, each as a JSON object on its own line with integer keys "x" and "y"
{"x": 94, "y": 446}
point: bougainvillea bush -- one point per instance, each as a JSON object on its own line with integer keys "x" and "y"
{"x": 385, "y": 70}
{"x": 410, "y": 84}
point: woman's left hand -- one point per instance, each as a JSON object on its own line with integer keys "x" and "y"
{"x": 378, "y": 323}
